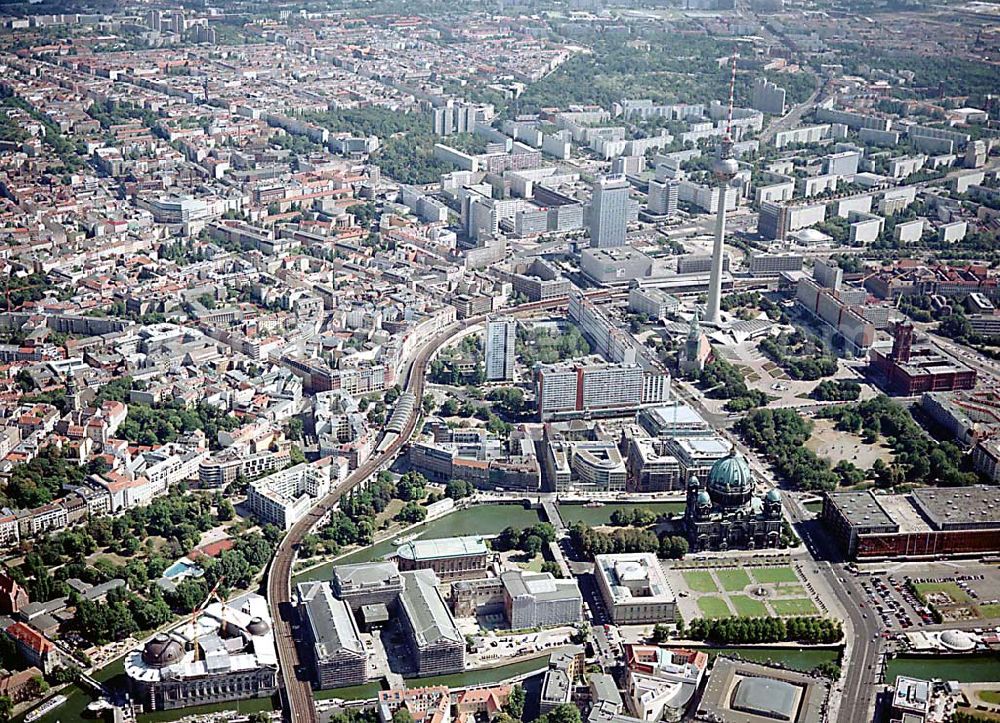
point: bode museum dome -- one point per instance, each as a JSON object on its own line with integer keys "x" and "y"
{"x": 723, "y": 513}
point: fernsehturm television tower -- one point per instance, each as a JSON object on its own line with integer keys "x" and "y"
{"x": 725, "y": 169}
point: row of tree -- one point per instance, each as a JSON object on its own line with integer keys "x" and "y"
{"x": 591, "y": 542}
{"x": 746, "y": 630}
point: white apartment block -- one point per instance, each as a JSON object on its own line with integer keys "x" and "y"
{"x": 282, "y": 498}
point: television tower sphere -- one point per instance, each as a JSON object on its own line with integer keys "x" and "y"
{"x": 725, "y": 169}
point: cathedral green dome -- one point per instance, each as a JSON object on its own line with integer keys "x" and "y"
{"x": 730, "y": 476}
{"x": 704, "y": 500}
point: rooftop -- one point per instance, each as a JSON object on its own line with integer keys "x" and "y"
{"x": 861, "y": 509}
{"x": 959, "y": 507}
{"x": 442, "y": 548}
{"x": 752, "y": 693}
{"x": 426, "y": 610}
{"x": 636, "y": 575}
{"x": 333, "y": 626}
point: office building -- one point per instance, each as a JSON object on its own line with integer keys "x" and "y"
{"x": 765, "y": 264}
{"x": 609, "y": 212}
{"x": 501, "y": 335}
{"x": 651, "y": 468}
{"x": 696, "y": 454}
{"x": 654, "y": 303}
{"x": 661, "y": 683}
{"x": 911, "y": 700}
{"x": 777, "y": 220}
{"x": 595, "y": 465}
{"x": 566, "y": 666}
{"x": 634, "y": 588}
{"x": 338, "y": 655}
{"x": 539, "y": 600}
{"x": 674, "y": 419}
{"x": 228, "y": 655}
{"x": 436, "y": 643}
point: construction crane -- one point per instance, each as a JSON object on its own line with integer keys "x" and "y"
{"x": 194, "y": 614}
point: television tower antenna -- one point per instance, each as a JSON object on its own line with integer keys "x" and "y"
{"x": 727, "y": 139}
{"x": 724, "y": 169}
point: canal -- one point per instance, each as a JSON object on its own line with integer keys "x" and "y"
{"x": 963, "y": 668}
{"x": 477, "y": 520}
{"x": 804, "y": 659}
{"x": 595, "y": 516}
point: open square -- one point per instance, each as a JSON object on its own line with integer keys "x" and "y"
{"x": 719, "y": 590}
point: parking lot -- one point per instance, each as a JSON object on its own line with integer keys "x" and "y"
{"x": 969, "y": 591}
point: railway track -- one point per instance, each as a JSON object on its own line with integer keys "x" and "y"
{"x": 296, "y": 690}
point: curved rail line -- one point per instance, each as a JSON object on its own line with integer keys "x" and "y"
{"x": 296, "y": 693}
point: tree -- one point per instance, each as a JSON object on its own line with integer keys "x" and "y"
{"x": 6, "y": 708}
{"x": 552, "y": 568}
{"x": 295, "y": 455}
{"x": 225, "y": 511}
{"x": 457, "y": 489}
{"x": 411, "y": 486}
{"x": 37, "y": 687}
{"x": 532, "y": 545}
{"x": 412, "y": 512}
{"x": 563, "y": 713}
{"x": 293, "y": 429}
{"x": 402, "y": 716}
{"x": 661, "y": 633}
{"x": 515, "y": 703}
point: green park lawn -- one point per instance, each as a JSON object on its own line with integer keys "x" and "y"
{"x": 951, "y": 589}
{"x": 700, "y": 581}
{"x": 713, "y": 607}
{"x": 989, "y": 611}
{"x": 733, "y": 580}
{"x": 794, "y": 606}
{"x": 765, "y": 575}
{"x": 748, "y": 607}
